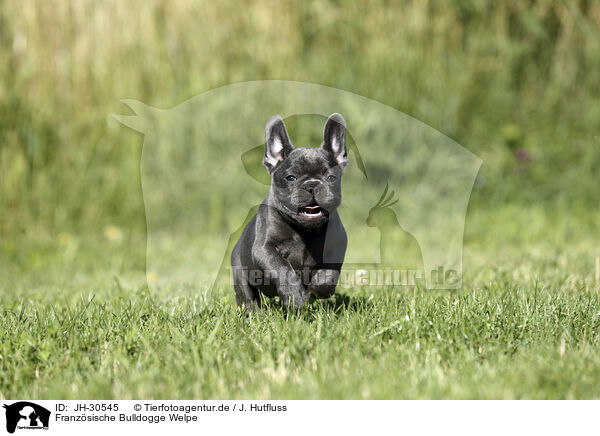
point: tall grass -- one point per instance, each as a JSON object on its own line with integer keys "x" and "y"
{"x": 515, "y": 82}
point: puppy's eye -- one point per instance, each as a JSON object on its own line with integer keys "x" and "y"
{"x": 331, "y": 178}
{"x": 290, "y": 178}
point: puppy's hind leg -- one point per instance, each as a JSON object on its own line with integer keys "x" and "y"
{"x": 245, "y": 294}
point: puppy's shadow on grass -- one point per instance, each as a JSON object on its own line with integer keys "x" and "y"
{"x": 338, "y": 304}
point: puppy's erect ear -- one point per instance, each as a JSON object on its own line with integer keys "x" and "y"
{"x": 277, "y": 143}
{"x": 334, "y": 139}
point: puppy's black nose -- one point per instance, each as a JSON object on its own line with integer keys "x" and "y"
{"x": 310, "y": 185}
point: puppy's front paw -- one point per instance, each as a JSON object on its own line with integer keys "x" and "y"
{"x": 323, "y": 282}
{"x": 293, "y": 296}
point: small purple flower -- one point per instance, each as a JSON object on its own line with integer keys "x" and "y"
{"x": 522, "y": 155}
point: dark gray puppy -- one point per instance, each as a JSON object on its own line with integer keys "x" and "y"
{"x": 295, "y": 245}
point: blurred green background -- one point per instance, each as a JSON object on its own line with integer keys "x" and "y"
{"x": 516, "y": 83}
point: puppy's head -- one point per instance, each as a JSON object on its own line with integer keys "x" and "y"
{"x": 306, "y": 182}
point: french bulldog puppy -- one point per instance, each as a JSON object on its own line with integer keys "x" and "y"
{"x": 296, "y": 243}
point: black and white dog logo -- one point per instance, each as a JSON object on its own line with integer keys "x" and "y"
{"x": 26, "y": 415}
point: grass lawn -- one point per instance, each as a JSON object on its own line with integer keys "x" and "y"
{"x": 525, "y": 325}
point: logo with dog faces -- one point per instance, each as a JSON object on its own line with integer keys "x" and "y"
{"x": 405, "y": 190}
{"x": 25, "y": 415}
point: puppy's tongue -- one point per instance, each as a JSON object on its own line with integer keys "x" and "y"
{"x": 312, "y": 208}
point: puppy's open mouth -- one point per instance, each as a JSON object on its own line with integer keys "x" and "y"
{"x": 312, "y": 211}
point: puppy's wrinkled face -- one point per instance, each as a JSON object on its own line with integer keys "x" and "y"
{"x": 306, "y": 182}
